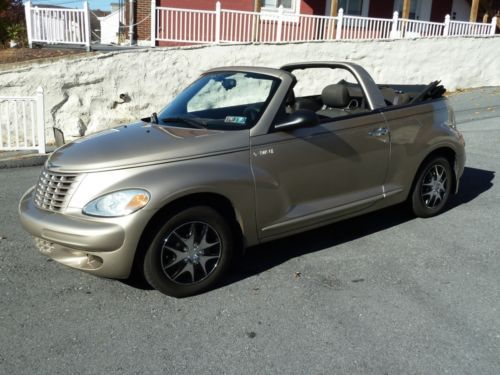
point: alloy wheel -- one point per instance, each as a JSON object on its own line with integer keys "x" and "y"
{"x": 434, "y": 186}
{"x": 190, "y": 252}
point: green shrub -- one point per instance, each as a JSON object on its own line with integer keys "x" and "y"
{"x": 12, "y": 15}
{"x": 17, "y": 33}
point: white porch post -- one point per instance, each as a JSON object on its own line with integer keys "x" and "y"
{"x": 493, "y": 26}
{"x": 338, "y": 31}
{"x": 217, "y": 22}
{"x": 473, "y": 10}
{"x": 446, "y": 29}
{"x": 394, "y": 28}
{"x": 27, "y": 13}
{"x": 131, "y": 21}
{"x": 40, "y": 120}
{"x": 86, "y": 15}
{"x": 153, "y": 23}
{"x": 280, "y": 24}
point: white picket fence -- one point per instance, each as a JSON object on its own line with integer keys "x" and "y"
{"x": 355, "y": 27}
{"x": 22, "y": 122}
{"x": 57, "y": 25}
{"x": 180, "y": 25}
{"x": 459, "y": 28}
{"x": 193, "y": 26}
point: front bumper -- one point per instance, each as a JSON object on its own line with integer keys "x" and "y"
{"x": 103, "y": 248}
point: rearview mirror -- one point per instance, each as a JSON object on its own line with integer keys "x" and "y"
{"x": 228, "y": 83}
{"x": 298, "y": 119}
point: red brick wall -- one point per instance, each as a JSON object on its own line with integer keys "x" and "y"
{"x": 316, "y": 7}
{"x": 246, "y": 5}
{"x": 143, "y": 10}
{"x": 306, "y": 6}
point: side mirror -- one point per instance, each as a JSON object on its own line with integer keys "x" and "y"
{"x": 299, "y": 119}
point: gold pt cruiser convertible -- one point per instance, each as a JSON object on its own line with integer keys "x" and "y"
{"x": 239, "y": 158}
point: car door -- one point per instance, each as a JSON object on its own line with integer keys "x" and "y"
{"x": 308, "y": 176}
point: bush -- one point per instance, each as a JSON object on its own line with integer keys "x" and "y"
{"x": 17, "y": 33}
{"x": 12, "y": 21}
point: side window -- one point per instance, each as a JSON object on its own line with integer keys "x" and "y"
{"x": 331, "y": 93}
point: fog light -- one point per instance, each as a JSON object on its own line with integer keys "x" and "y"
{"x": 45, "y": 247}
{"x": 94, "y": 261}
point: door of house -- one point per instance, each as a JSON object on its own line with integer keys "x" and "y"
{"x": 381, "y": 8}
{"x": 440, "y": 9}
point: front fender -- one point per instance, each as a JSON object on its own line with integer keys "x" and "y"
{"x": 228, "y": 175}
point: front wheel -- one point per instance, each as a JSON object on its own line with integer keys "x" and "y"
{"x": 432, "y": 187}
{"x": 190, "y": 253}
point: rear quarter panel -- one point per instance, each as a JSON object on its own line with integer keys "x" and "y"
{"x": 416, "y": 131}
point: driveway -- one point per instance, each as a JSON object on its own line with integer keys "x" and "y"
{"x": 385, "y": 293}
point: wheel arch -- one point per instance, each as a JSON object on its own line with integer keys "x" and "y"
{"x": 443, "y": 151}
{"x": 218, "y": 202}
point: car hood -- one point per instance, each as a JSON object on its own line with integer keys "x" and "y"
{"x": 143, "y": 143}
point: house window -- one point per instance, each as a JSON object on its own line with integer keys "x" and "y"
{"x": 291, "y": 10}
{"x": 288, "y": 5}
{"x": 352, "y": 7}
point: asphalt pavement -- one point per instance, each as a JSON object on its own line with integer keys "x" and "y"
{"x": 384, "y": 293}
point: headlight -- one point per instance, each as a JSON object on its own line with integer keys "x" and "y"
{"x": 119, "y": 203}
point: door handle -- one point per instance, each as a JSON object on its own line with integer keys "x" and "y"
{"x": 378, "y": 132}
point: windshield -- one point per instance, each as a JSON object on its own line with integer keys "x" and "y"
{"x": 225, "y": 100}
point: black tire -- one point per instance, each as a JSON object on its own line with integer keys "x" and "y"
{"x": 432, "y": 187}
{"x": 190, "y": 253}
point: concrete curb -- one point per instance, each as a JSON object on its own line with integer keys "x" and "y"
{"x": 23, "y": 161}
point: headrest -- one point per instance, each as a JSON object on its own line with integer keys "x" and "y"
{"x": 335, "y": 96}
{"x": 388, "y": 94}
{"x": 290, "y": 98}
{"x": 402, "y": 99}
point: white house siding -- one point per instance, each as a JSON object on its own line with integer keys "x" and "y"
{"x": 460, "y": 10}
{"x": 87, "y": 90}
{"x": 366, "y": 8}
{"x": 424, "y": 8}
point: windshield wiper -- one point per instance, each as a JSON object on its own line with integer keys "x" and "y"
{"x": 185, "y": 120}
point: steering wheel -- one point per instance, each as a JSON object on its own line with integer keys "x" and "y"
{"x": 252, "y": 114}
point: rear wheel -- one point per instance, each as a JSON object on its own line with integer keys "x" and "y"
{"x": 432, "y": 188}
{"x": 190, "y": 253}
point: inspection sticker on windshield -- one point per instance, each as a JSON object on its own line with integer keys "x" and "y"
{"x": 240, "y": 120}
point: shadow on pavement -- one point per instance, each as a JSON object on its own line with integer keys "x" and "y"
{"x": 263, "y": 257}
{"x": 473, "y": 183}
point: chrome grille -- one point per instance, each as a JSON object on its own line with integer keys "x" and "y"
{"x": 54, "y": 190}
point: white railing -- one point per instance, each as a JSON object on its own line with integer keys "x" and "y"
{"x": 309, "y": 28}
{"x": 419, "y": 29}
{"x": 459, "y": 28}
{"x": 241, "y": 27}
{"x": 252, "y": 27}
{"x": 57, "y": 25}
{"x": 353, "y": 27}
{"x": 185, "y": 25}
{"x": 234, "y": 26}
{"x": 22, "y": 122}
